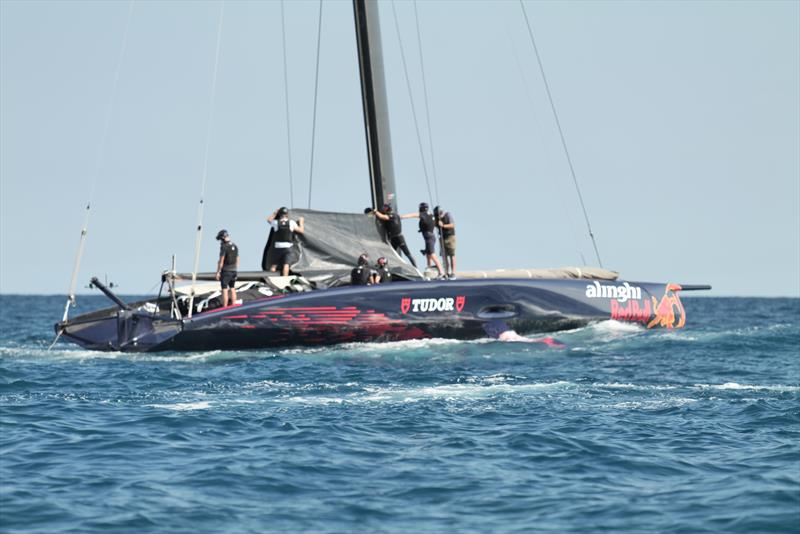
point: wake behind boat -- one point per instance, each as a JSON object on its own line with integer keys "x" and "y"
{"x": 317, "y": 305}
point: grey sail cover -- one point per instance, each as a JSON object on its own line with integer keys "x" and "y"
{"x": 332, "y": 243}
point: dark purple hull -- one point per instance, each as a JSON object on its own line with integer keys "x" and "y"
{"x": 454, "y": 309}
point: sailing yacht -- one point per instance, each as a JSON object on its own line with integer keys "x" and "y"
{"x": 316, "y": 304}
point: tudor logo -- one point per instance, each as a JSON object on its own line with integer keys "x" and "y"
{"x": 432, "y": 305}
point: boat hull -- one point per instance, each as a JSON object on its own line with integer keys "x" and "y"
{"x": 453, "y": 309}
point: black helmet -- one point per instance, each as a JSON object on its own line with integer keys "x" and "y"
{"x": 387, "y": 208}
{"x": 283, "y": 210}
{"x": 363, "y": 259}
{"x": 222, "y": 234}
{"x": 423, "y": 206}
{"x": 382, "y": 261}
{"x": 437, "y": 210}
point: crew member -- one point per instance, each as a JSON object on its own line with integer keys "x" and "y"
{"x": 394, "y": 230}
{"x": 227, "y": 266}
{"x": 285, "y": 229}
{"x": 381, "y": 274}
{"x": 445, "y": 221}
{"x": 427, "y": 226}
{"x": 361, "y": 275}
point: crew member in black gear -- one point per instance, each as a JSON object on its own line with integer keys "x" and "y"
{"x": 227, "y": 266}
{"x": 361, "y": 275}
{"x": 381, "y": 274}
{"x": 394, "y": 230}
{"x": 283, "y": 240}
{"x": 427, "y": 227}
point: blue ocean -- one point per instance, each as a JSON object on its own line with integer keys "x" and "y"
{"x": 624, "y": 429}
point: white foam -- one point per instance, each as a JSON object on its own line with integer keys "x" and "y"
{"x": 652, "y": 404}
{"x": 615, "y": 327}
{"x": 445, "y": 392}
{"x": 748, "y": 387}
{"x": 183, "y": 406}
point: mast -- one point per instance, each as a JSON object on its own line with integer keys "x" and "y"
{"x": 373, "y": 98}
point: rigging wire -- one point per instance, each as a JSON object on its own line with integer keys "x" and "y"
{"x": 98, "y": 165}
{"x": 286, "y": 98}
{"x": 314, "y": 118}
{"x": 548, "y": 157}
{"x": 561, "y": 133}
{"x": 427, "y": 108}
{"x": 411, "y": 99}
{"x": 199, "y": 234}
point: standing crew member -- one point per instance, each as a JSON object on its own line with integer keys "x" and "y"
{"x": 283, "y": 240}
{"x": 381, "y": 274}
{"x": 427, "y": 227}
{"x": 446, "y": 222}
{"x": 361, "y": 275}
{"x": 227, "y": 266}
{"x": 394, "y": 229}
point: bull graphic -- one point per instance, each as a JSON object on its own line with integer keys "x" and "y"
{"x": 669, "y": 309}
{"x": 405, "y": 304}
{"x": 460, "y": 301}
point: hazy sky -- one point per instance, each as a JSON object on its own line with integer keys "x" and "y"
{"x": 682, "y": 120}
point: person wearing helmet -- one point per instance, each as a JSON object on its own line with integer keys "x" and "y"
{"x": 284, "y": 229}
{"x": 361, "y": 275}
{"x": 445, "y": 221}
{"x": 427, "y": 227}
{"x": 381, "y": 275}
{"x": 394, "y": 230}
{"x": 227, "y": 267}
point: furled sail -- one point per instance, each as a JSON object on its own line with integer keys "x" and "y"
{"x": 331, "y": 244}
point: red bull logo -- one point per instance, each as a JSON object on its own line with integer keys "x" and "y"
{"x": 666, "y": 312}
{"x": 669, "y": 312}
{"x": 635, "y": 311}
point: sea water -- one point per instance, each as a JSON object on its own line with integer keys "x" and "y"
{"x": 625, "y": 429}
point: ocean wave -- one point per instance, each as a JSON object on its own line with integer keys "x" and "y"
{"x": 655, "y": 404}
{"x": 399, "y": 394}
{"x": 184, "y": 406}
{"x": 733, "y": 386}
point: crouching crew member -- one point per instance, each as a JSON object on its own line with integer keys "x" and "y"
{"x": 394, "y": 230}
{"x": 285, "y": 229}
{"x": 361, "y": 275}
{"x": 227, "y": 267}
{"x": 427, "y": 227}
{"x": 381, "y": 275}
{"x": 446, "y": 222}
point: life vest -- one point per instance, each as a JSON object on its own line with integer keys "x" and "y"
{"x": 426, "y": 224}
{"x": 284, "y": 231}
{"x": 231, "y": 253}
{"x": 393, "y": 226}
{"x": 385, "y": 275}
{"x": 359, "y": 276}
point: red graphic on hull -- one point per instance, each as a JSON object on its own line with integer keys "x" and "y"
{"x": 460, "y": 301}
{"x": 665, "y": 309}
{"x": 405, "y": 305}
{"x": 634, "y": 311}
{"x": 666, "y": 312}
